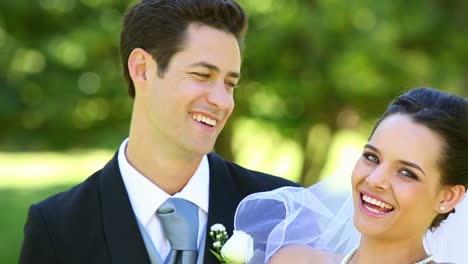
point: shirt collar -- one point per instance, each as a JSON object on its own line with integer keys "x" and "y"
{"x": 197, "y": 188}
{"x": 146, "y": 197}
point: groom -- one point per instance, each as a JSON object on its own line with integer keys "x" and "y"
{"x": 181, "y": 61}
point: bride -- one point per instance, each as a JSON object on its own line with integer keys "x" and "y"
{"x": 412, "y": 173}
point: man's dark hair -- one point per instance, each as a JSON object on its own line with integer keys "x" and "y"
{"x": 447, "y": 115}
{"x": 160, "y": 27}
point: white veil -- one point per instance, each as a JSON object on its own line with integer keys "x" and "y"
{"x": 313, "y": 216}
{"x": 449, "y": 242}
{"x": 322, "y": 218}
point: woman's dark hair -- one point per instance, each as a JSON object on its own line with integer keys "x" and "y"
{"x": 447, "y": 115}
{"x": 160, "y": 27}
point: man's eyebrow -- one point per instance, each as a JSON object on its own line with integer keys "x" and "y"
{"x": 213, "y": 68}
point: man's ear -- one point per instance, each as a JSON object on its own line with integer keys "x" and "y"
{"x": 140, "y": 64}
{"x": 450, "y": 197}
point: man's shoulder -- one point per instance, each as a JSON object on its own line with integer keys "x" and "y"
{"x": 67, "y": 224}
{"x": 255, "y": 181}
{"x": 260, "y": 177}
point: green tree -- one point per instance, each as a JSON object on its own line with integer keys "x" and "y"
{"x": 311, "y": 69}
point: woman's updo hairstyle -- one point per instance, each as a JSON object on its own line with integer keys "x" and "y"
{"x": 447, "y": 115}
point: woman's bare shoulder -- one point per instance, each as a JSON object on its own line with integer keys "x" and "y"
{"x": 303, "y": 254}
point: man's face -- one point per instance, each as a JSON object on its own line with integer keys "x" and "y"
{"x": 187, "y": 108}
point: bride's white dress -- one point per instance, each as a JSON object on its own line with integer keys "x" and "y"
{"x": 321, "y": 216}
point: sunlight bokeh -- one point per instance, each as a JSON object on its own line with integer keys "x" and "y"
{"x": 345, "y": 150}
{"x": 259, "y": 147}
{"x": 42, "y": 169}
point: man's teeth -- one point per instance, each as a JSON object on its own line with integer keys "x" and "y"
{"x": 376, "y": 202}
{"x": 204, "y": 119}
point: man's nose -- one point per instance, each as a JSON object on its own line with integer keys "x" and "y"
{"x": 220, "y": 96}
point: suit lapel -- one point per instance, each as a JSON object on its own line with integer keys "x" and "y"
{"x": 224, "y": 198}
{"x": 120, "y": 227}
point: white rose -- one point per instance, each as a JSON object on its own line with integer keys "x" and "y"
{"x": 218, "y": 227}
{"x": 239, "y": 248}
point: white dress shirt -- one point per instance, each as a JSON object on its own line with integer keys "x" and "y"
{"x": 146, "y": 197}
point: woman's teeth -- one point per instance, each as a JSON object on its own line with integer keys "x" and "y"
{"x": 376, "y": 202}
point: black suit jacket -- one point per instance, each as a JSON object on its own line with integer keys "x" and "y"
{"x": 94, "y": 222}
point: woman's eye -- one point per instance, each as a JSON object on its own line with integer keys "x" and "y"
{"x": 409, "y": 174}
{"x": 371, "y": 157}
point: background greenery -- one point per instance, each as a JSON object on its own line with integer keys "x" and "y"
{"x": 316, "y": 74}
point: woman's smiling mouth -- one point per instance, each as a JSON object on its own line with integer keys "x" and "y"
{"x": 374, "y": 206}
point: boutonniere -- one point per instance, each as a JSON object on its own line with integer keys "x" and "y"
{"x": 238, "y": 249}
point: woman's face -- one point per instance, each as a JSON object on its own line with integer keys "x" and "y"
{"x": 396, "y": 181}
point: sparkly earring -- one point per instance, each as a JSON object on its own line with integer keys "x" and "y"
{"x": 442, "y": 208}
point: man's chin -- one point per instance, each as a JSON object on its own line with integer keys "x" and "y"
{"x": 202, "y": 149}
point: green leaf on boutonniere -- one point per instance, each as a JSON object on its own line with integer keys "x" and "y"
{"x": 218, "y": 256}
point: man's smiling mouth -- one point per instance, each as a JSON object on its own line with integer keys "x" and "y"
{"x": 204, "y": 119}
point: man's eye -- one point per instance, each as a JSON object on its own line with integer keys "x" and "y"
{"x": 201, "y": 75}
{"x": 371, "y": 157}
{"x": 231, "y": 85}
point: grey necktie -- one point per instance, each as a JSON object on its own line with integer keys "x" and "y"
{"x": 179, "y": 219}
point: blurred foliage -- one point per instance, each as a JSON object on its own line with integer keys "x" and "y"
{"x": 311, "y": 69}
{"x": 60, "y": 74}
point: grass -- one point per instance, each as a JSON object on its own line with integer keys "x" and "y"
{"x": 14, "y": 204}
{"x": 26, "y": 178}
